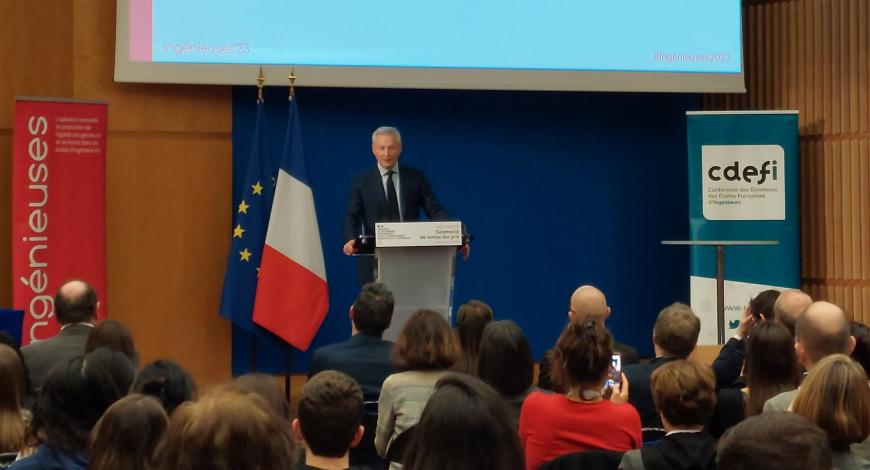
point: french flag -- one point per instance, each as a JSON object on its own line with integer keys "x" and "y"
{"x": 292, "y": 295}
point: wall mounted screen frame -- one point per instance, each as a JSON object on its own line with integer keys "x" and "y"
{"x": 128, "y": 70}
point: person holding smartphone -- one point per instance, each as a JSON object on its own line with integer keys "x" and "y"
{"x": 583, "y": 417}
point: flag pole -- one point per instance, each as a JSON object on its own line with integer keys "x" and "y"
{"x": 288, "y": 350}
{"x": 261, "y": 79}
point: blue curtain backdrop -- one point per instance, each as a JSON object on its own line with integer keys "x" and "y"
{"x": 559, "y": 189}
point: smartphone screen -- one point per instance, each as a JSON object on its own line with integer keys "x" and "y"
{"x": 615, "y": 375}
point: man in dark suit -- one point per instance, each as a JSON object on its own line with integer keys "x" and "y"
{"x": 365, "y": 357}
{"x": 75, "y": 307}
{"x": 387, "y": 193}
{"x": 675, "y": 335}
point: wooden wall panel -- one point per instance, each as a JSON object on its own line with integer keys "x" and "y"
{"x": 814, "y": 56}
{"x": 168, "y": 179}
{"x": 5, "y": 214}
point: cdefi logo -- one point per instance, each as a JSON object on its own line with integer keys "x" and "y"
{"x": 732, "y": 172}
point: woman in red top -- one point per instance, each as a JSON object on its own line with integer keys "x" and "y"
{"x": 552, "y": 425}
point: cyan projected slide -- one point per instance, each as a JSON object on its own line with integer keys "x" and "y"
{"x": 602, "y": 35}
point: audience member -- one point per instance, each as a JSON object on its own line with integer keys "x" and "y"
{"x": 465, "y": 426}
{"x": 771, "y": 365}
{"x": 775, "y": 441}
{"x": 226, "y": 429}
{"x": 674, "y": 336}
{"x": 425, "y": 350}
{"x": 685, "y": 392}
{"x": 506, "y": 364}
{"x": 166, "y": 381}
{"x": 729, "y": 363}
{"x": 13, "y": 417}
{"x": 330, "y": 420}
{"x": 75, "y": 307}
{"x": 74, "y": 397}
{"x": 762, "y": 304}
{"x": 835, "y": 397}
{"x": 267, "y": 389}
{"x": 771, "y": 368}
{"x": 127, "y": 434}
{"x": 588, "y": 302}
{"x": 861, "y": 353}
{"x": 471, "y": 318}
{"x": 581, "y": 419}
{"x": 821, "y": 330}
{"x": 788, "y": 306}
{"x": 365, "y": 356}
{"x": 113, "y": 335}
{"x": 27, "y": 399}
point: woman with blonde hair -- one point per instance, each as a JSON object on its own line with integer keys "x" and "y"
{"x": 12, "y": 416}
{"x": 835, "y": 396}
{"x": 226, "y": 429}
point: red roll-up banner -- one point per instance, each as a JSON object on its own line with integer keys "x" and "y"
{"x": 58, "y": 206}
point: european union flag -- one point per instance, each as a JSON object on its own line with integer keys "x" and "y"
{"x": 249, "y": 231}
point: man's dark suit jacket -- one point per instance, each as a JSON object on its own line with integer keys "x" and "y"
{"x": 629, "y": 354}
{"x": 640, "y": 393}
{"x": 367, "y": 202}
{"x": 729, "y": 362}
{"x": 41, "y": 356}
{"x": 367, "y": 360}
{"x": 726, "y": 368}
{"x": 363, "y": 357}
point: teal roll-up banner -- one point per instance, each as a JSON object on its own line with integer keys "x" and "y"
{"x": 743, "y": 185}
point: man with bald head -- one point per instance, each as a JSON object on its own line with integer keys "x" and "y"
{"x": 589, "y": 303}
{"x": 789, "y": 305}
{"x": 820, "y": 331}
{"x": 75, "y": 307}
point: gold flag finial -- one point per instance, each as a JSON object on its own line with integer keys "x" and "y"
{"x": 292, "y": 78}
{"x": 260, "y": 80}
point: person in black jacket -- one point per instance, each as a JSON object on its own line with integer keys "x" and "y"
{"x": 685, "y": 392}
{"x": 387, "y": 193}
{"x": 675, "y": 334}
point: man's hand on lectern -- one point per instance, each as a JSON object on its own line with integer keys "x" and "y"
{"x": 465, "y": 250}
{"x": 348, "y": 247}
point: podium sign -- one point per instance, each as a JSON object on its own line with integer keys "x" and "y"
{"x": 404, "y": 234}
{"x": 416, "y": 262}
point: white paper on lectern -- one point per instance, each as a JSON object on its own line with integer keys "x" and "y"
{"x": 405, "y": 234}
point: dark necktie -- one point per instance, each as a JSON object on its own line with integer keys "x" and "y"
{"x": 392, "y": 199}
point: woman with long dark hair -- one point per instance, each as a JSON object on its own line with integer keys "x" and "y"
{"x": 465, "y": 426}
{"x": 75, "y": 395}
{"x": 506, "y": 364}
{"x": 127, "y": 434}
{"x": 771, "y": 365}
{"x": 13, "y": 417}
{"x": 167, "y": 381}
{"x": 471, "y": 318}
